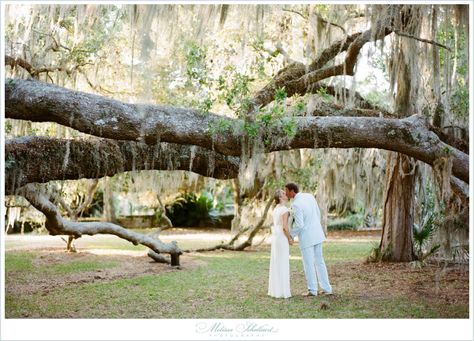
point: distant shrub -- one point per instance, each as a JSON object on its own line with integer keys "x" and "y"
{"x": 349, "y": 223}
{"x": 189, "y": 210}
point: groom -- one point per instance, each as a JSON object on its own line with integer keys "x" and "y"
{"x": 307, "y": 226}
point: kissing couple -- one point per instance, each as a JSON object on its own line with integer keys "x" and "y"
{"x": 305, "y": 219}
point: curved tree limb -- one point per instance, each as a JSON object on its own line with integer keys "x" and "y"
{"x": 73, "y": 213}
{"x": 42, "y": 159}
{"x": 248, "y": 242}
{"x": 169, "y": 223}
{"x": 103, "y": 117}
{"x": 305, "y": 17}
{"x": 460, "y": 189}
{"x": 14, "y": 62}
{"x": 297, "y": 78}
{"x": 35, "y": 71}
{"x": 345, "y": 68}
{"x": 295, "y": 71}
{"x": 56, "y": 225}
{"x": 460, "y": 144}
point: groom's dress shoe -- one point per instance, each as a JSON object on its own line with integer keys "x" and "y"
{"x": 308, "y": 294}
{"x": 324, "y": 293}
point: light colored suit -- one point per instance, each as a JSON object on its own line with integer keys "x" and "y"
{"x": 307, "y": 226}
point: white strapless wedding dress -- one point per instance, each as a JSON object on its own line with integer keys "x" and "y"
{"x": 279, "y": 277}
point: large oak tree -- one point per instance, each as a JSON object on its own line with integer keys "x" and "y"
{"x": 142, "y": 137}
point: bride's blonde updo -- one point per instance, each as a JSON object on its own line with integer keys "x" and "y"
{"x": 277, "y": 195}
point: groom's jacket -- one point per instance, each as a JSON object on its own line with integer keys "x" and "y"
{"x": 306, "y": 220}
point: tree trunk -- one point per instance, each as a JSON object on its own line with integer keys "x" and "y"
{"x": 237, "y": 206}
{"x": 169, "y": 224}
{"x": 323, "y": 206}
{"x": 109, "y": 210}
{"x": 398, "y": 217}
{"x": 396, "y": 244}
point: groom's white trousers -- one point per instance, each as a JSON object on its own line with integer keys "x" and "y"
{"x": 315, "y": 269}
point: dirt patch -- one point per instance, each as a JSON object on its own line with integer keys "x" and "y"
{"x": 433, "y": 283}
{"x": 361, "y": 234}
{"x": 121, "y": 264}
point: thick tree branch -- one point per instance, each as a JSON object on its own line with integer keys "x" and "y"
{"x": 103, "y": 117}
{"x": 14, "y": 62}
{"x": 450, "y": 139}
{"x": 460, "y": 189}
{"x": 56, "y": 225}
{"x": 297, "y": 78}
{"x": 96, "y": 115}
{"x": 346, "y": 68}
{"x": 332, "y": 51}
{"x": 42, "y": 159}
{"x": 35, "y": 71}
{"x": 295, "y": 71}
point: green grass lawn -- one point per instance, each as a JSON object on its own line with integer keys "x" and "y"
{"x": 230, "y": 285}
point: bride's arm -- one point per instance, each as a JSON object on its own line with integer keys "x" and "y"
{"x": 284, "y": 218}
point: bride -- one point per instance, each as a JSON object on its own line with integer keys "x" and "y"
{"x": 279, "y": 277}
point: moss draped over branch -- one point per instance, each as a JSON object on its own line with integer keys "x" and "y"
{"x": 152, "y": 124}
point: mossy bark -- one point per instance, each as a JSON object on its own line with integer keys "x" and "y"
{"x": 396, "y": 244}
{"x": 397, "y": 230}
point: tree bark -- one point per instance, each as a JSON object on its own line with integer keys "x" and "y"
{"x": 235, "y": 225}
{"x": 397, "y": 232}
{"x": 41, "y": 102}
{"x": 169, "y": 224}
{"x": 109, "y": 209}
{"x": 398, "y": 214}
{"x": 41, "y": 159}
{"x": 56, "y": 225}
{"x": 295, "y": 71}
